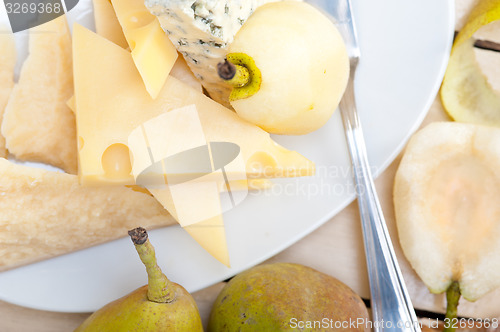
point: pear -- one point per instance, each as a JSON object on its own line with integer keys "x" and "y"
{"x": 159, "y": 306}
{"x": 289, "y": 68}
{"x": 447, "y": 206}
{"x": 284, "y": 296}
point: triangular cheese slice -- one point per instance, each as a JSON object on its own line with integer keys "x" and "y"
{"x": 106, "y": 22}
{"x": 209, "y": 233}
{"x": 153, "y": 53}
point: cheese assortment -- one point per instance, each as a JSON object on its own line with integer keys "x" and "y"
{"x": 104, "y": 154}
{"x": 103, "y": 151}
{"x": 153, "y": 53}
{"x": 7, "y": 63}
{"x": 202, "y": 32}
{"x": 102, "y": 89}
{"x": 37, "y": 124}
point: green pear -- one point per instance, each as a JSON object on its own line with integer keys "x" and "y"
{"x": 282, "y": 297}
{"x": 159, "y": 306}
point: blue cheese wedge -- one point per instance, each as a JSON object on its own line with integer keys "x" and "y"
{"x": 202, "y": 31}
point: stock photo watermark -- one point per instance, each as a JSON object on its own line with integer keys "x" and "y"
{"x": 331, "y": 180}
{"x": 362, "y": 323}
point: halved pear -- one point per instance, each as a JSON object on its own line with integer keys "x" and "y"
{"x": 447, "y": 204}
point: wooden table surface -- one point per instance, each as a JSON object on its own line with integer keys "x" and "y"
{"x": 341, "y": 234}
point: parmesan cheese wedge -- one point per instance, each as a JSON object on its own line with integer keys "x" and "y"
{"x": 44, "y": 214}
{"x": 7, "y": 63}
{"x": 37, "y": 124}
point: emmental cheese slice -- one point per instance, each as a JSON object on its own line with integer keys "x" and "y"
{"x": 7, "y": 63}
{"x": 153, "y": 53}
{"x": 37, "y": 124}
{"x": 111, "y": 102}
{"x": 106, "y": 22}
{"x": 45, "y": 214}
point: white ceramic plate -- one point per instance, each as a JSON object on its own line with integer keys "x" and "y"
{"x": 404, "y": 45}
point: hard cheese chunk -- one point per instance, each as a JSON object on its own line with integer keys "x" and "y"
{"x": 111, "y": 102}
{"x": 45, "y": 214}
{"x": 202, "y": 31}
{"x": 106, "y": 22}
{"x": 153, "y": 53}
{"x": 7, "y": 63}
{"x": 37, "y": 124}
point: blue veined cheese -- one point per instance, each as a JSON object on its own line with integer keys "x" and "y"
{"x": 201, "y": 31}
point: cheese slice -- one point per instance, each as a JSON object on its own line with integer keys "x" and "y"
{"x": 45, "y": 214}
{"x": 7, "y": 63}
{"x": 210, "y": 233}
{"x": 153, "y": 53}
{"x": 235, "y": 185}
{"x": 37, "y": 124}
{"x": 106, "y": 23}
{"x": 111, "y": 102}
{"x": 180, "y": 71}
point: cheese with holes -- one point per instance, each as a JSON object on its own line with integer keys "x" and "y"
{"x": 7, "y": 63}
{"x": 106, "y": 22}
{"x": 45, "y": 214}
{"x": 111, "y": 102}
{"x": 37, "y": 124}
{"x": 153, "y": 53}
{"x": 202, "y": 31}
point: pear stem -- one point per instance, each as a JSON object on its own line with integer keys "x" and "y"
{"x": 452, "y": 298}
{"x": 159, "y": 287}
{"x": 235, "y": 75}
